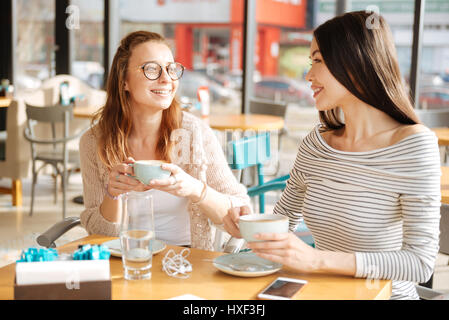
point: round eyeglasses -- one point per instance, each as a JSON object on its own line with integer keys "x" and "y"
{"x": 153, "y": 70}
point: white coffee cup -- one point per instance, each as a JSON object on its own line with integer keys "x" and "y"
{"x": 251, "y": 224}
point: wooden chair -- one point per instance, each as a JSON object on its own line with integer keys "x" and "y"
{"x": 15, "y": 164}
{"x": 55, "y": 152}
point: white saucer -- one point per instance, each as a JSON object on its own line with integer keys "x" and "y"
{"x": 116, "y": 249}
{"x": 243, "y": 259}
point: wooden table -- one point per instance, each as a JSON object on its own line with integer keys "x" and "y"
{"x": 209, "y": 283}
{"x": 245, "y": 122}
{"x": 4, "y": 102}
{"x": 218, "y": 122}
{"x": 445, "y": 185}
{"x": 442, "y": 135}
{"x": 84, "y": 112}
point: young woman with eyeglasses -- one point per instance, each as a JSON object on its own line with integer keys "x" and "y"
{"x": 366, "y": 181}
{"x": 142, "y": 120}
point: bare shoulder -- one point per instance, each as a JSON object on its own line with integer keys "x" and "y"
{"x": 404, "y": 131}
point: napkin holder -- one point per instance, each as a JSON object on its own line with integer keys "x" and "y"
{"x": 94, "y": 286}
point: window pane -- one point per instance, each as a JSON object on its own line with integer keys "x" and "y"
{"x": 434, "y": 73}
{"x": 35, "y": 43}
{"x": 399, "y": 15}
{"x": 281, "y": 59}
{"x": 88, "y": 42}
{"x": 283, "y": 34}
{"x": 204, "y": 37}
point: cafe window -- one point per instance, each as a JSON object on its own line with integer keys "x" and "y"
{"x": 399, "y": 15}
{"x": 283, "y": 34}
{"x": 35, "y": 42}
{"x": 204, "y": 37}
{"x": 434, "y": 65}
{"x": 88, "y": 40}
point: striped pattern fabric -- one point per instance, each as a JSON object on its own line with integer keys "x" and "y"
{"x": 383, "y": 205}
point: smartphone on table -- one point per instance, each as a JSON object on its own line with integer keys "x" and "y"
{"x": 282, "y": 289}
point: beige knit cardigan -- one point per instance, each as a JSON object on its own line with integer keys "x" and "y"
{"x": 196, "y": 151}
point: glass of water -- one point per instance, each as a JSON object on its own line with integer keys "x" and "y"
{"x": 137, "y": 235}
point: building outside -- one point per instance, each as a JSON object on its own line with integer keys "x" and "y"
{"x": 207, "y": 37}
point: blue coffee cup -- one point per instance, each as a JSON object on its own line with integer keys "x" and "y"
{"x": 147, "y": 170}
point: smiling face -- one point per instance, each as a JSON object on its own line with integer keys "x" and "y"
{"x": 328, "y": 92}
{"x": 155, "y": 94}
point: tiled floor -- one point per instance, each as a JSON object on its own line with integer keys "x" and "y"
{"x": 18, "y": 230}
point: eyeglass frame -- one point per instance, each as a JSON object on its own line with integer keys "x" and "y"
{"x": 160, "y": 72}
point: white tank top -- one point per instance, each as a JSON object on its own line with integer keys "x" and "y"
{"x": 171, "y": 218}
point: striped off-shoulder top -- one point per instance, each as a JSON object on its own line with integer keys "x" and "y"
{"x": 383, "y": 205}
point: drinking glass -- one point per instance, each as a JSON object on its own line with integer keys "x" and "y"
{"x": 137, "y": 235}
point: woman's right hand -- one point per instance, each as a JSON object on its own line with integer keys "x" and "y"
{"x": 231, "y": 220}
{"x": 120, "y": 180}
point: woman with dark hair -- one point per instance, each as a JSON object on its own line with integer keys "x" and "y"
{"x": 142, "y": 120}
{"x": 366, "y": 180}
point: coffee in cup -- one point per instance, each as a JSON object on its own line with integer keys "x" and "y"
{"x": 147, "y": 170}
{"x": 251, "y": 224}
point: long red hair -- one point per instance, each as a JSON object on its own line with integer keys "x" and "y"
{"x": 114, "y": 120}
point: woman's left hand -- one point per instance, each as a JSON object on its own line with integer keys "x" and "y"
{"x": 287, "y": 249}
{"x": 179, "y": 183}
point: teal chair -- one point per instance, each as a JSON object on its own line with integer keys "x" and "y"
{"x": 255, "y": 151}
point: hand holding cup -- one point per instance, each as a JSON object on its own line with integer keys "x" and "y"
{"x": 231, "y": 220}
{"x": 179, "y": 183}
{"x": 121, "y": 180}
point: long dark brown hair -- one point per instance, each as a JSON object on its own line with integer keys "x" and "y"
{"x": 115, "y": 118}
{"x": 358, "y": 49}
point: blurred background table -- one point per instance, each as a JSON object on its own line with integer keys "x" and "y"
{"x": 217, "y": 122}
{"x": 442, "y": 135}
{"x": 445, "y": 185}
{"x": 4, "y": 102}
{"x": 245, "y": 122}
{"x": 84, "y": 112}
